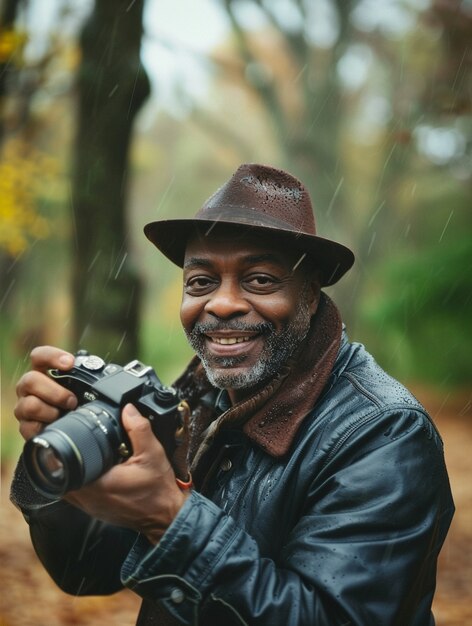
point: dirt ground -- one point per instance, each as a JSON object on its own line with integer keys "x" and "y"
{"x": 29, "y": 598}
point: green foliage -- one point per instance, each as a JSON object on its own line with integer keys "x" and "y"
{"x": 162, "y": 340}
{"x": 25, "y": 174}
{"x": 165, "y": 348}
{"x": 422, "y": 314}
{"x": 12, "y": 365}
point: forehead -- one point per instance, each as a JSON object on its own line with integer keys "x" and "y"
{"x": 241, "y": 244}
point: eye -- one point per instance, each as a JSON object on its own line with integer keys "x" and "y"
{"x": 260, "y": 283}
{"x": 199, "y": 285}
{"x": 261, "y": 280}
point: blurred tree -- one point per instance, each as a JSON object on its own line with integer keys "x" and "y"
{"x": 21, "y": 163}
{"x": 112, "y": 85}
{"x": 424, "y": 306}
{"x": 10, "y": 41}
{"x": 451, "y": 91}
{"x": 297, "y": 84}
{"x": 22, "y": 173}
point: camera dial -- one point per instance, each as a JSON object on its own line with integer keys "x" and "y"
{"x": 92, "y": 362}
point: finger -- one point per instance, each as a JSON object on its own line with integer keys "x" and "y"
{"x": 33, "y": 409}
{"x": 47, "y": 357}
{"x": 139, "y": 431}
{"x": 47, "y": 390}
{"x": 34, "y": 415}
{"x": 29, "y": 428}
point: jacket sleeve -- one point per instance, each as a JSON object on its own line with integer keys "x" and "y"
{"x": 82, "y": 555}
{"x": 363, "y": 551}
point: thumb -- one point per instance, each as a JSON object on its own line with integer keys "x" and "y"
{"x": 138, "y": 429}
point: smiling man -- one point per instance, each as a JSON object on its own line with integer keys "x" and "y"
{"x": 319, "y": 494}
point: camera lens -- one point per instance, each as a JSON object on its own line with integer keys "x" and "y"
{"x": 49, "y": 465}
{"x": 74, "y": 451}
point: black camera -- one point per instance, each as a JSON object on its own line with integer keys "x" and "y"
{"x": 84, "y": 443}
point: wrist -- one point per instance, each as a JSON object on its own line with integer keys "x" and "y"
{"x": 155, "y": 531}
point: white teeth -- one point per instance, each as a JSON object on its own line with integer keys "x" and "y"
{"x": 228, "y": 341}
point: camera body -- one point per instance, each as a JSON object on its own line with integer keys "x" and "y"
{"x": 84, "y": 443}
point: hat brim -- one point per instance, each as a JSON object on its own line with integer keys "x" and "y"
{"x": 171, "y": 236}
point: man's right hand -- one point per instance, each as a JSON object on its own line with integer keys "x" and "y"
{"x": 41, "y": 400}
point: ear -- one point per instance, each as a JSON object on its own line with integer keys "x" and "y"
{"x": 314, "y": 291}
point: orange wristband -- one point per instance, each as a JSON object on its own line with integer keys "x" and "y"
{"x": 184, "y": 484}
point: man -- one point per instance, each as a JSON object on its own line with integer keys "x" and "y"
{"x": 320, "y": 494}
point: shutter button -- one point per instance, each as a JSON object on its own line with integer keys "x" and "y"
{"x": 226, "y": 465}
{"x": 177, "y": 596}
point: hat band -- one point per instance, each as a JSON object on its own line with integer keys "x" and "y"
{"x": 249, "y": 217}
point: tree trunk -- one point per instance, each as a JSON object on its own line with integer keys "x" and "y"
{"x": 112, "y": 86}
{"x": 8, "y": 83}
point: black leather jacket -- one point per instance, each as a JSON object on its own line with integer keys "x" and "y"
{"x": 345, "y": 529}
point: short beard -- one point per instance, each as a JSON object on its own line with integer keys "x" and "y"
{"x": 278, "y": 348}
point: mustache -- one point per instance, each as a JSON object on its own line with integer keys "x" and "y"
{"x": 202, "y": 328}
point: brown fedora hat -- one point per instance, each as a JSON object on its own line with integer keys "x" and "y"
{"x": 261, "y": 199}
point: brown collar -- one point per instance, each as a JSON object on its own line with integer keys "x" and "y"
{"x": 272, "y": 417}
{"x": 274, "y": 425}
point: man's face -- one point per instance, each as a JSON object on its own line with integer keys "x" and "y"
{"x": 245, "y": 308}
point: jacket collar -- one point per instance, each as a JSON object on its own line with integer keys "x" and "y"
{"x": 274, "y": 425}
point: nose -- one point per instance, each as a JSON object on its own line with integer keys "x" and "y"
{"x": 227, "y": 301}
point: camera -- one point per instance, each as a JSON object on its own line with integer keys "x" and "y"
{"x": 84, "y": 443}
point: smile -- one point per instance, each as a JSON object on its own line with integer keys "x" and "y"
{"x": 229, "y": 341}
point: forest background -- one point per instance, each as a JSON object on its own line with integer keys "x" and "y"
{"x": 114, "y": 113}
